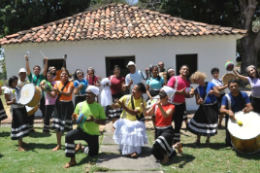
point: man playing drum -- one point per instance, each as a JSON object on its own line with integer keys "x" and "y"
{"x": 36, "y": 79}
{"x": 239, "y": 102}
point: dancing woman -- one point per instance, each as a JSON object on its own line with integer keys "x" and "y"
{"x": 20, "y": 126}
{"x": 80, "y": 85}
{"x": 117, "y": 88}
{"x": 50, "y": 100}
{"x": 163, "y": 110}
{"x": 205, "y": 120}
{"x": 254, "y": 79}
{"x": 64, "y": 106}
{"x": 130, "y": 129}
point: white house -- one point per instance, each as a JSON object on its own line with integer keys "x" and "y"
{"x": 117, "y": 33}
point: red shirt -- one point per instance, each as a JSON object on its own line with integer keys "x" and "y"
{"x": 116, "y": 84}
{"x": 182, "y": 83}
{"x": 160, "y": 121}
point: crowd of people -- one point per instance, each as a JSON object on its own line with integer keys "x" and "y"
{"x": 127, "y": 111}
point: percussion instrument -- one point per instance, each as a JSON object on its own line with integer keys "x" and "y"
{"x": 229, "y": 65}
{"x": 31, "y": 110}
{"x": 30, "y": 95}
{"x": 58, "y": 72}
{"x": 227, "y": 77}
{"x": 81, "y": 119}
{"x": 246, "y": 137}
{"x": 150, "y": 103}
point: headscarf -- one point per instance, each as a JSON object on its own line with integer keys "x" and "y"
{"x": 93, "y": 89}
{"x": 169, "y": 91}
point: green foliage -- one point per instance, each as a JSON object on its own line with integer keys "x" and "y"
{"x": 18, "y": 15}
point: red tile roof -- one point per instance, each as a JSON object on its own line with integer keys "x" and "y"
{"x": 117, "y": 21}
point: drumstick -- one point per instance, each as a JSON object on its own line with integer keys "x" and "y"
{"x": 42, "y": 54}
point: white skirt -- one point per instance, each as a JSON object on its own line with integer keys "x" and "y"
{"x": 130, "y": 135}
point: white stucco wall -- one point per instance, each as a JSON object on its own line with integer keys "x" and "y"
{"x": 213, "y": 51}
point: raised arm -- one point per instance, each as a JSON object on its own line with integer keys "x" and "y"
{"x": 241, "y": 77}
{"x": 27, "y": 65}
{"x": 44, "y": 72}
{"x": 147, "y": 112}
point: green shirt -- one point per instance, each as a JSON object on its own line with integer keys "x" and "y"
{"x": 95, "y": 110}
{"x": 33, "y": 79}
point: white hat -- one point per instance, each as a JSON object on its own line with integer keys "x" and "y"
{"x": 169, "y": 91}
{"x": 130, "y": 63}
{"x": 93, "y": 89}
{"x": 22, "y": 70}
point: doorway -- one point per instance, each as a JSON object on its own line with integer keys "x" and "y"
{"x": 187, "y": 59}
{"x": 57, "y": 63}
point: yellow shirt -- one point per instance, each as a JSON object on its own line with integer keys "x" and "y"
{"x": 137, "y": 105}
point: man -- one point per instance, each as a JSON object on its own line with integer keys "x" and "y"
{"x": 52, "y": 69}
{"x": 161, "y": 67}
{"x": 36, "y": 79}
{"x": 219, "y": 84}
{"x": 134, "y": 77}
{"x": 233, "y": 102}
{"x": 89, "y": 130}
{"x": 180, "y": 83}
{"x": 22, "y": 78}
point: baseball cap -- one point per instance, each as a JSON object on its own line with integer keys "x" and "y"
{"x": 130, "y": 63}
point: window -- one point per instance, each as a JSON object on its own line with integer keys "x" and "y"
{"x": 122, "y": 61}
{"x": 57, "y": 63}
{"x": 189, "y": 59}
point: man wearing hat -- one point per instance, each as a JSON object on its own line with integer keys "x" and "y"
{"x": 134, "y": 77}
{"x": 36, "y": 79}
{"x": 22, "y": 78}
{"x": 89, "y": 131}
{"x": 163, "y": 110}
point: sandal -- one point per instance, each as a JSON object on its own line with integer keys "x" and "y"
{"x": 70, "y": 164}
{"x": 207, "y": 143}
{"x": 179, "y": 148}
{"x": 78, "y": 147}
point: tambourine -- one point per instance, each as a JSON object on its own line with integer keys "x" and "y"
{"x": 229, "y": 65}
{"x": 81, "y": 119}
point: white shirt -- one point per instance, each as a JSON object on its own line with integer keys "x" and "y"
{"x": 218, "y": 82}
{"x": 14, "y": 93}
{"x": 136, "y": 78}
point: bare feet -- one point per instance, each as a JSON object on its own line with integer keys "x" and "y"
{"x": 78, "y": 147}
{"x": 21, "y": 149}
{"x": 70, "y": 164}
{"x": 134, "y": 155}
{"x": 178, "y": 146}
{"x": 56, "y": 148}
{"x": 197, "y": 142}
{"x": 165, "y": 159}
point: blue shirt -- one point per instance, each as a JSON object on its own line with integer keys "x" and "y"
{"x": 84, "y": 82}
{"x": 211, "y": 98}
{"x": 237, "y": 103}
{"x": 154, "y": 83}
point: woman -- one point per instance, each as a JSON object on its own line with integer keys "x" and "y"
{"x": 254, "y": 79}
{"x": 219, "y": 84}
{"x": 130, "y": 129}
{"x": 64, "y": 106}
{"x": 20, "y": 126}
{"x": 50, "y": 99}
{"x": 154, "y": 84}
{"x": 204, "y": 122}
{"x": 170, "y": 73}
{"x": 164, "y": 132}
{"x": 91, "y": 78}
{"x": 117, "y": 88}
{"x": 80, "y": 85}
{"x": 2, "y": 110}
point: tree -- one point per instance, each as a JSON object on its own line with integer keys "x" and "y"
{"x": 233, "y": 13}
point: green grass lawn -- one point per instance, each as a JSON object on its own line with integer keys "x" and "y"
{"x": 40, "y": 159}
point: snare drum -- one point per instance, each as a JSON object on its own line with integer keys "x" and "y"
{"x": 246, "y": 138}
{"x": 31, "y": 110}
{"x": 30, "y": 95}
{"x": 150, "y": 103}
{"x": 227, "y": 77}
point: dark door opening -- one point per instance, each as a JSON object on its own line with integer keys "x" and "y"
{"x": 189, "y": 59}
{"x": 57, "y": 63}
{"x": 121, "y": 61}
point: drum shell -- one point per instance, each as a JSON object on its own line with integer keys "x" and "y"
{"x": 36, "y": 98}
{"x": 31, "y": 111}
{"x": 249, "y": 146}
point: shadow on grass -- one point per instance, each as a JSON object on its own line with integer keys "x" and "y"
{"x": 215, "y": 146}
{"x": 181, "y": 160}
{"x": 4, "y": 134}
{"x": 255, "y": 156}
{"x": 1, "y": 155}
{"x": 39, "y": 135}
{"x": 34, "y": 146}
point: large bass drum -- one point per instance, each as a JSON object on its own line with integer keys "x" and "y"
{"x": 246, "y": 138}
{"x": 30, "y": 95}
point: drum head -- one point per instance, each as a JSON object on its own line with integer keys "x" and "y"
{"x": 150, "y": 103}
{"x": 227, "y": 77}
{"x": 250, "y": 128}
{"x": 27, "y": 93}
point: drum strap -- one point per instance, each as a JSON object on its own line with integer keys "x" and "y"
{"x": 229, "y": 101}
{"x": 141, "y": 118}
{"x": 126, "y": 103}
{"x": 204, "y": 96}
{"x": 61, "y": 90}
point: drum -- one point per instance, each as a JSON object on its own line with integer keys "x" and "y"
{"x": 229, "y": 65}
{"x": 31, "y": 110}
{"x": 246, "y": 138}
{"x": 227, "y": 77}
{"x": 150, "y": 103}
{"x": 30, "y": 95}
